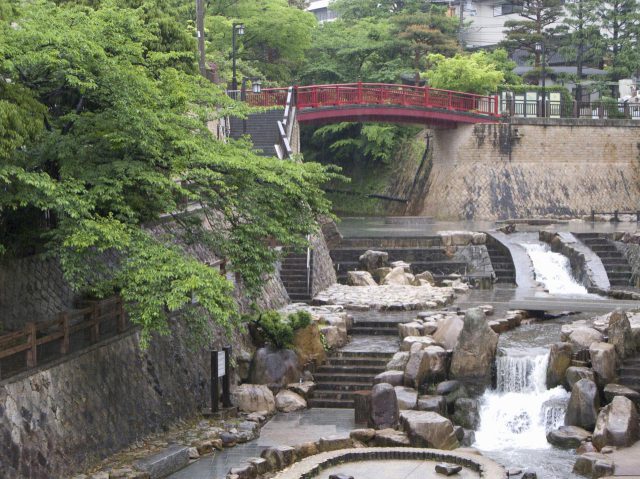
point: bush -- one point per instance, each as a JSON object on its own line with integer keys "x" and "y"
{"x": 279, "y": 332}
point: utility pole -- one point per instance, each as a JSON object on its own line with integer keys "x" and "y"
{"x": 461, "y": 23}
{"x": 200, "y": 32}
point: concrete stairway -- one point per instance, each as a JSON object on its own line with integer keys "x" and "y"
{"x": 261, "y": 127}
{"x": 502, "y": 263}
{"x": 629, "y": 373}
{"x": 293, "y": 274}
{"x": 614, "y": 262}
{"x": 344, "y": 373}
{"x": 374, "y": 328}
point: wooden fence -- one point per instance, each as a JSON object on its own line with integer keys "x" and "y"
{"x": 31, "y": 340}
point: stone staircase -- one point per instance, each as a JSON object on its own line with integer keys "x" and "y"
{"x": 261, "y": 127}
{"x": 293, "y": 273}
{"x": 374, "y": 328}
{"x": 629, "y": 373}
{"x": 343, "y": 374}
{"x": 424, "y": 254}
{"x": 614, "y": 262}
{"x": 501, "y": 261}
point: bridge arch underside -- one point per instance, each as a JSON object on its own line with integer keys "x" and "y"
{"x": 436, "y": 118}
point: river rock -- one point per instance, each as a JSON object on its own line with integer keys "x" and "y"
{"x": 569, "y": 437}
{"x": 617, "y": 424}
{"x": 582, "y": 410}
{"x": 307, "y": 343}
{"x": 449, "y": 328}
{"x": 398, "y": 361}
{"x": 395, "y": 378}
{"x": 279, "y": 457}
{"x": 585, "y": 463}
{"x": 417, "y": 367}
{"x": 620, "y": 334}
{"x": 401, "y": 264}
{"x": 603, "y": 362}
{"x": 560, "y": 355}
{"x": 475, "y": 351}
{"x": 275, "y": 367}
{"x": 288, "y": 401}
{"x": 576, "y": 373}
{"x": 304, "y": 389}
{"x": 410, "y": 329}
{"x": 360, "y": 278}
{"x": 447, "y": 469}
{"x": 426, "y": 276}
{"x": 451, "y": 390}
{"x": 407, "y": 397}
{"x": 466, "y": 413}
{"x": 334, "y": 336}
{"x": 253, "y": 398}
{"x": 429, "y": 429}
{"x": 384, "y": 406}
{"x": 433, "y": 403}
{"x": 362, "y": 435}
{"x": 410, "y": 340}
{"x": 612, "y": 390}
{"x": 391, "y": 438}
{"x": 583, "y": 337}
{"x": 371, "y": 260}
{"x": 397, "y": 276}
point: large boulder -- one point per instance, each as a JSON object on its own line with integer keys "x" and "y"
{"x": 620, "y": 334}
{"x": 429, "y": 429}
{"x": 451, "y": 390}
{"x": 413, "y": 328}
{"x": 582, "y": 410}
{"x": 569, "y": 437}
{"x": 583, "y": 337}
{"x": 398, "y": 361}
{"x": 409, "y": 341}
{"x": 559, "y": 361}
{"x": 407, "y": 397}
{"x": 576, "y": 373}
{"x": 372, "y": 260}
{"x": 335, "y": 337}
{"x": 449, "y": 328}
{"x": 275, "y": 367}
{"x": 466, "y": 413}
{"x": 433, "y": 403}
{"x": 397, "y": 276}
{"x": 288, "y": 401}
{"x": 393, "y": 377}
{"x": 617, "y": 424}
{"x": 253, "y": 398}
{"x": 417, "y": 367}
{"x": 360, "y": 278}
{"x": 612, "y": 390}
{"x": 603, "y": 362}
{"x": 475, "y": 351}
{"x": 307, "y": 343}
{"x": 384, "y": 406}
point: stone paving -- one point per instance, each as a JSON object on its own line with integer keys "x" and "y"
{"x": 393, "y": 469}
{"x": 284, "y": 429}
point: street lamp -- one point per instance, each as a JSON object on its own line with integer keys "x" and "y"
{"x": 541, "y": 50}
{"x": 256, "y": 87}
{"x": 238, "y": 29}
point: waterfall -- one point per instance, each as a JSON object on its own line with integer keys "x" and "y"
{"x": 553, "y": 270}
{"x": 520, "y": 411}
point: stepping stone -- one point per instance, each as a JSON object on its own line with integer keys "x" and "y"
{"x": 166, "y": 462}
{"x": 447, "y": 469}
{"x": 340, "y": 476}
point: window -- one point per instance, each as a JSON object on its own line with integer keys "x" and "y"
{"x": 507, "y": 9}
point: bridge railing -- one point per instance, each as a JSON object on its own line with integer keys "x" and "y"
{"x": 316, "y": 96}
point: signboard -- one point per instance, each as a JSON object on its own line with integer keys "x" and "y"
{"x": 221, "y": 363}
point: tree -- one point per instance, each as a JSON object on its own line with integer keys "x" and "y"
{"x": 582, "y": 39}
{"x": 620, "y": 21}
{"x": 538, "y": 26}
{"x": 106, "y": 134}
{"x": 473, "y": 73}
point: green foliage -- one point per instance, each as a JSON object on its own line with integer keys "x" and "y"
{"x": 278, "y": 331}
{"x": 620, "y": 22}
{"x": 104, "y": 131}
{"x": 473, "y": 73}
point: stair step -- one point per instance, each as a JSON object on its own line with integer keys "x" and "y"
{"x": 356, "y": 362}
{"x": 347, "y": 371}
{"x": 331, "y": 403}
{"x": 373, "y": 332}
{"x": 334, "y": 388}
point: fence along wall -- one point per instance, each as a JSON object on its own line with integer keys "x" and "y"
{"x": 532, "y": 167}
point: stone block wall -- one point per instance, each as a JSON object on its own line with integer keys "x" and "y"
{"x": 323, "y": 274}
{"x": 32, "y": 289}
{"x": 531, "y": 168}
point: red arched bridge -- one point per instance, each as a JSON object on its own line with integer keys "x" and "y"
{"x": 380, "y": 102}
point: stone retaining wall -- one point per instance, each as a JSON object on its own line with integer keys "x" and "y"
{"x": 531, "y": 168}
{"x": 323, "y": 274}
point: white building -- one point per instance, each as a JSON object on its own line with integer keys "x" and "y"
{"x": 320, "y": 8}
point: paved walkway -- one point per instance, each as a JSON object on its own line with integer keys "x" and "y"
{"x": 284, "y": 429}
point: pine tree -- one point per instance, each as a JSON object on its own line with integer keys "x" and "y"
{"x": 620, "y": 24}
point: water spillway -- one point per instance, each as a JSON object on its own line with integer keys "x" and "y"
{"x": 553, "y": 271}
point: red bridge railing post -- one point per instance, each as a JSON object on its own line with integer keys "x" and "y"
{"x": 359, "y": 93}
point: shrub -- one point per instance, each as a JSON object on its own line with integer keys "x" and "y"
{"x": 278, "y": 331}
{"x": 299, "y": 320}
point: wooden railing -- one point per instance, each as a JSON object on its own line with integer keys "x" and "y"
{"x": 317, "y": 96}
{"x": 56, "y": 335}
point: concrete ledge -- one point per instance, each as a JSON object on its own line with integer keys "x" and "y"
{"x": 165, "y": 462}
{"x": 575, "y": 122}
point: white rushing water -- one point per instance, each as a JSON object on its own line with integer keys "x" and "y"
{"x": 553, "y": 271}
{"x": 520, "y": 411}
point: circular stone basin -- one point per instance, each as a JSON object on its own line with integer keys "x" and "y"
{"x": 392, "y": 463}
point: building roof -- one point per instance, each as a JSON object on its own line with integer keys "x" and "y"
{"x": 571, "y": 70}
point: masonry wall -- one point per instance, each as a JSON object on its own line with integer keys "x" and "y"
{"x": 531, "y": 168}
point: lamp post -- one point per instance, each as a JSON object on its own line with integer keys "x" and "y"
{"x": 256, "y": 87}
{"x": 238, "y": 29}
{"x": 541, "y": 50}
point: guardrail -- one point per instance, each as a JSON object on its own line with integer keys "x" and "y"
{"x": 23, "y": 348}
{"x": 596, "y": 110}
{"x": 616, "y": 214}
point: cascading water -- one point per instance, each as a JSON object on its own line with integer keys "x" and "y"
{"x": 520, "y": 411}
{"x": 553, "y": 271}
